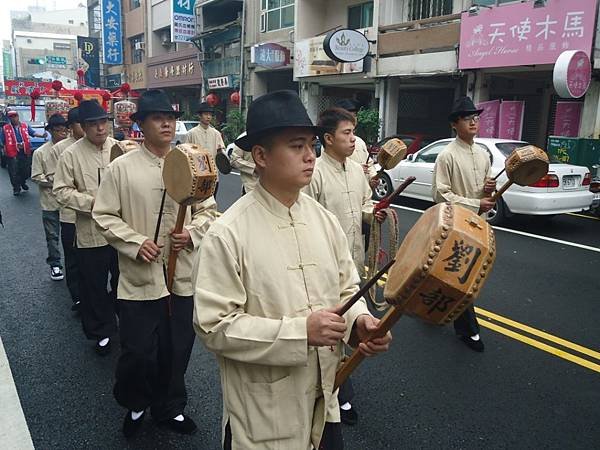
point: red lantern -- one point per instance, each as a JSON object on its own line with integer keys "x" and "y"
{"x": 125, "y": 88}
{"x": 57, "y": 85}
{"x": 35, "y": 94}
{"x": 213, "y": 99}
{"x": 235, "y": 98}
{"x": 105, "y": 99}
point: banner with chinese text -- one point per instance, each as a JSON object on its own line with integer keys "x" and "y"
{"x": 488, "y": 119}
{"x": 112, "y": 32}
{"x": 510, "y": 121}
{"x": 567, "y": 119}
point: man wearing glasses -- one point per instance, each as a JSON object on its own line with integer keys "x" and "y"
{"x": 461, "y": 175}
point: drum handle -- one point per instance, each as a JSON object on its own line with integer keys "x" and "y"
{"x": 173, "y": 255}
{"x": 387, "y": 322}
{"x": 499, "y": 173}
{"x": 160, "y": 214}
{"x": 502, "y": 190}
{"x": 346, "y": 306}
{"x": 386, "y": 201}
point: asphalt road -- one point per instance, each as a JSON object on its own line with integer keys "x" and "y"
{"x": 429, "y": 391}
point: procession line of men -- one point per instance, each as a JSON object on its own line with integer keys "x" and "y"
{"x": 261, "y": 285}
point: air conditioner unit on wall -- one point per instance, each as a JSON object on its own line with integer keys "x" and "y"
{"x": 140, "y": 46}
{"x": 165, "y": 39}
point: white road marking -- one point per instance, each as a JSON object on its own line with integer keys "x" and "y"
{"x": 522, "y": 233}
{"x": 14, "y": 432}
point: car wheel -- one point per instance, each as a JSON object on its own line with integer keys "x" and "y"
{"x": 384, "y": 187}
{"x": 498, "y": 213}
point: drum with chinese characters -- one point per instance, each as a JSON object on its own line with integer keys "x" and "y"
{"x": 525, "y": 165}
{"x": 189, "y": 174}
{"x": 122, "y": 147}
{"x": 439, "y": 270}
{"x": 391, "y": 153}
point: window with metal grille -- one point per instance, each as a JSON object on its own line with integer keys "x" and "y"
{"x": 424, "y": 9}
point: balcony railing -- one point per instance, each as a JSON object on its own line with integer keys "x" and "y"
{"x": 221, "y": 67}
{"x": 434, "y": 34}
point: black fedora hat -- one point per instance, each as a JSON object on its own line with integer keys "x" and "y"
{"x": 153, "y": 101}
{"x": 73, "y": 116}
{"x": 272, "y": 112}
{"x": 347, "y": 104}
{"x": 463, "y": 107}
{"x": 204, "y": 107}
{"x": 56, "y": 120}
{"x": 90, "y": 110}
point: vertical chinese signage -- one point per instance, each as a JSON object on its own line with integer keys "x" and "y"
{"x": 521, "y": 34}
{"x": 488, "y": 119}
{"x": 7, "y": 63}
{"x": 112, "y": 32}
{"x": 510, "y": 121}
{"x": 88, "y": 51}
{"x": 567, "y": 119}
{"x": 183, "y": 20}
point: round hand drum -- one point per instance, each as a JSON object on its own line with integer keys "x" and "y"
{"x": 122, "y": 147}
{"x": 189, "y": 174}
{"x": 391, "y": 153}
{"x": 525, "y": 166}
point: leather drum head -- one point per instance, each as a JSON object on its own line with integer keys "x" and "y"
{"x": 526, "y": 165}
{"x": 189, "y": 174}
{"x": 391, "y": 153}
{"x": 122, "y": 147}
{"x": 442, "y": 264}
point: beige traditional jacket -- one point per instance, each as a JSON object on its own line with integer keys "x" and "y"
{"x": 244, "y": 162}
{"x": 361, "y": 156}
{"x": 78, "y": 175}
{"x": 39, "y": 174}
{"x": 459, "y": 174}
{"x": 126, "y": 211}
{"x": 343, "y": 190}
{"x": 67, "y": 215}
{"x": 209, "y": 138}
{"x": 275, "y": 266}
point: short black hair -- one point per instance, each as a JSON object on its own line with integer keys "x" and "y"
{"x": 330, "y": 119}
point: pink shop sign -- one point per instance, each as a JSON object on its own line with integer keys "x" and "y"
{"x": 519, "y": 34}
{"x": 510, "y": 122}
{"x": 567, "y": 119}
{"x": 488, "y": 119}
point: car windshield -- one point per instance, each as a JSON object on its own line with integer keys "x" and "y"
{"x": 25, "y": 115}
{"x": 190, "y": 125}
{"x": 506, "y": 148}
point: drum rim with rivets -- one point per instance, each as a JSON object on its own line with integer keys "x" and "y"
{"x": 526, "y": 165}
{"x": 121, "y": 147}
{"x": 388, "y": 160}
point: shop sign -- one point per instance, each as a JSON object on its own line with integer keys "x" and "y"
{"x": 270, "y": 55}
{"x": 88, "y": 59}
{"x": 510, "y": 122}
{"x": 488, "y": 119}
{"x": 176, "y": 69}
{"x": 567, "y": 119}
{"x": 346, "y": 45}
{"x": 25, "y": 87}
{"x": 135, "y": 76}
{"x": 183, "y": 20}
{"x": 219, "y": 82}
{"x": 56, "y": 62}
{"x": 113, "y": 81}
{"x": 572, "y": 74}
{"x": 310, "y": 60}
{"x": 112, "y": 32}
{"x": 521, "y": 34}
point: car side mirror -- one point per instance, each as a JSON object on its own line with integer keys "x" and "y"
{"x": 410, "y": 157}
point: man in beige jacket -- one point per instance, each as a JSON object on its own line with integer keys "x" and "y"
{"x": 205, "y": 134}
{"x": 57, "y": 127}
{"x": 67, "y": 215}
{"x": 461, "y": 176}
{"x": 78, "y": 174}
{"x": 155, "y": 326}
{"x": 269, "y": 278}
{"x": 243, "y": 162}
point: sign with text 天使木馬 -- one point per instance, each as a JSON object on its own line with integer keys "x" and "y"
{"x": 112, "y": 32}
{"x": 521, "y": 34}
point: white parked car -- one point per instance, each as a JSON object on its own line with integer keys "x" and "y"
{"x": 181, "y": 129}
{"x": 565, "y": 188}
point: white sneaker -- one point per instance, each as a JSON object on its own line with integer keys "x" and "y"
{"x": 56, "y": 274}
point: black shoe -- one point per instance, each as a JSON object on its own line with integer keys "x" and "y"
{"x": 103, "y": 350}
{"x": 130, "y": 426}
{"x": 476, "y": 346}
{"x": 25, "y": 187}
{"x": 75, "y": 306}
{"x": 16, "y": 191}
{"x": 186, "y": 426}
{"x": 349, "y": 417}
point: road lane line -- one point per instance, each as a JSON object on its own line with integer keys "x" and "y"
{"x": 541, "y": 346}
{"x": 584, "y": 216}
{"x": 523, "y": 233}
{"x": 541, "y": 334}
{"x": 14, "y": 432}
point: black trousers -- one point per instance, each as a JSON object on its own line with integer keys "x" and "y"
{"x": 69, "y": 245}
{"x": 155, "y": 351}
{"x": 466, "y": 324}
{"x": 98, "y": 306}
{"x": 346, "y": 392}
{"x": 19, "y": 169}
